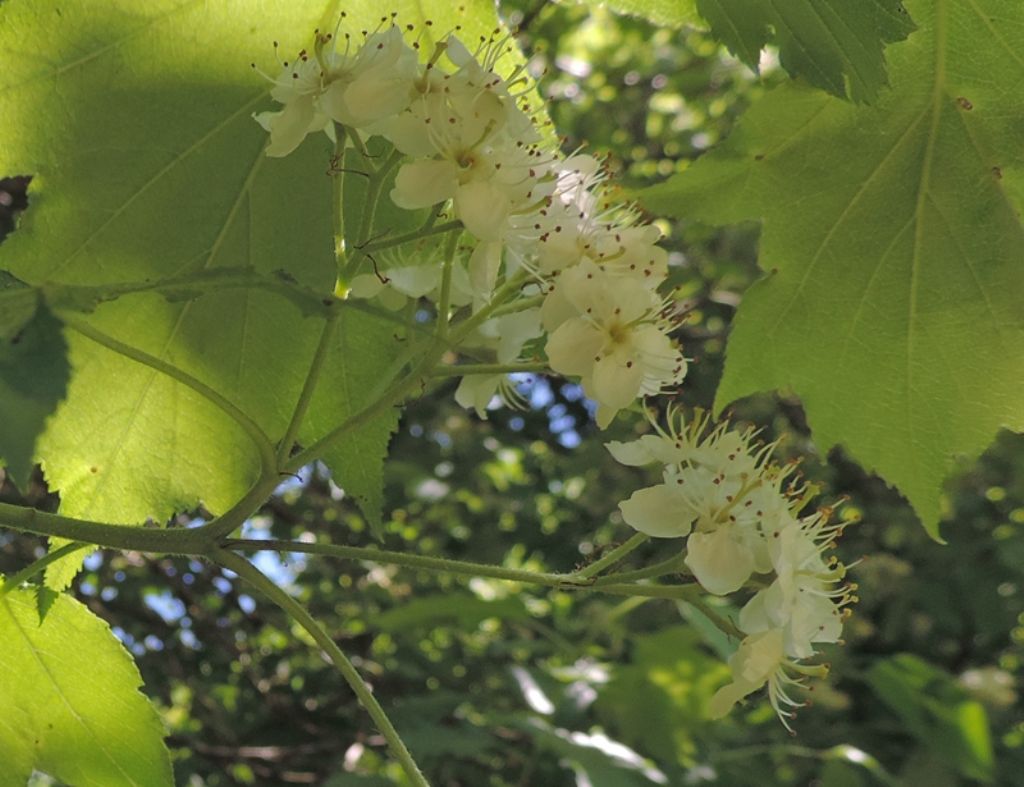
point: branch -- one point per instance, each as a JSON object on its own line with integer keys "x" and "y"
{"x": 316, "y": 367}
{"x": 399, "y": 240}
{"x": 175, "y": 541}
{"x": 266, "y": 587}
{"x": 437, "y": 564}
{"x": 488, "y": 368}
{"x": 614, "y": 556}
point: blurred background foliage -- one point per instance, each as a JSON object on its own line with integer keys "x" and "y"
{"x": 494, "y": 684}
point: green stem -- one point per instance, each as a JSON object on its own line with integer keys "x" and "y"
{"x": 266, "y": 587}
{"x": 316, "y": 368}
{"x": 520, "y": 305}
{"x": 444, "y": 302}
{"x": 488, "y": 368}
{"x": 358, "y": 144}
{"x": 412, "y": 327}
{"x": 398, "y": 240}
{"x": 437, "y": 564}
{"x": 501, "y": 296}
{"x": 373, "y": 196}
{"x": 338, "y": 203}
{"x": 614, "y": 556}
{"x": 268, "y": 461}
{"x": 397, "y": 392}
{"x": 444, "y": 565}
{"x": 670, "y": 566}
{"x": 33, "y": 568}
{"x": 230, "y": 520}
{"x": 175, "y": 541}
{"x": 685, "y": 592}
{"x": 720, "y": 622}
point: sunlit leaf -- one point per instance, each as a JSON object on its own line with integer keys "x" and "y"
{"x": 834, "y": 44}
{"x": 892, "y": 244}
{"x": 135, "y": 121}
{"x": 69, "y": 701}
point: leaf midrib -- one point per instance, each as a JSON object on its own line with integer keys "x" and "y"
{"x": 936, "y": 106}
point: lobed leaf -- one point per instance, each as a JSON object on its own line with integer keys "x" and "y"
{"x": 70, "y": 704}
{"x": 833, "y": 44}
{"x": 135, "y": 121}
{"x": 33, "y": 376}
{"x": 893, "y": 241}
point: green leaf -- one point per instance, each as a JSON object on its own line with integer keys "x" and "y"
{"x": 182, "y": 188}
{"x": 33, "y": 373}
{"x": 936, "y": 711}
{"x": 18, "y": 303}
{"x": 70, "y": 703}
{"x": 136, "y": 124}
{"x": 894, "y": 248}
{"x": 33, "y": 378}
{"x": 669, "y": 13}
{"x": 357, "y": 461}
{"x": 834, "y": 44}
{"x": 659, "y": 700}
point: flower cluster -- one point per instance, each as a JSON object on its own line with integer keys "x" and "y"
{"x": 473, "y": 148}
{"x": 534, "y": 248}
{"x": 746, "y": 526}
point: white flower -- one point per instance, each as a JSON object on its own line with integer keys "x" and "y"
{"x": 580, "y": 221}
{"x": 476, "y": 391}
{"x": 470, "y": 143}
{"x": 608, "y": 331}
{"x": 506, "y": 336}
{"x": 297, "y": 87}
{"x": 725, "y": 451}
{"x": 647, "y": 450}
{"x": 487, "y": 177}
{"x": 357, "y": 88}
{"x": 374, "y": 83}
{"x": 658, "y": 511}
{"x": 761, "y": 659}
{"x": 806, "y": 600}
{"x": 723, "y": 559}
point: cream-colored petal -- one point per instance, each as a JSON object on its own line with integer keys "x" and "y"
{"x": 720, "y": 562}
{"x": 514, "y": 331}
{"x": 420, "y": 184}
{"x": 656, "y": 511}
{"x": 573, "y": 346}
{"x": 408, "y": 132}
{"x": 477, "y": 391}
{"x": 557, "y": 308}
{"x": 725, "y": 699}
{"x": 289, "y": 126}
{"x": 616, "y": 380}
{"x": 646, "y": 450}
{"x": 483, "y": 269}
{"x": 483, "y": 208}
{"x": 764, "y": 611}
